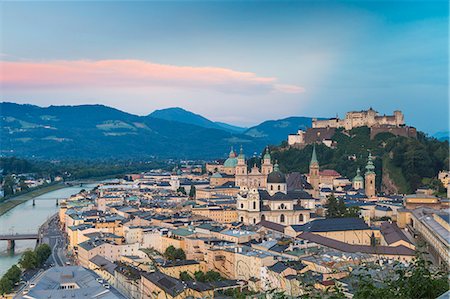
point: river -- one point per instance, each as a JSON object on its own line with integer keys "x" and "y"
{"x": 26, "y": 218}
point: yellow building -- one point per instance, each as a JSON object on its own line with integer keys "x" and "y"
{"x": 216, "y": 213}
{"x": 174, "y": 268}
{"x": 103, "y": 268}
{"x": 414, "y": 201}
{"x": 347, "y": 230}
{"x": 157, "y": 285}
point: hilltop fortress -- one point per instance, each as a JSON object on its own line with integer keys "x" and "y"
{"x": 322, "y": 131}
{"x": 354, "y": 119}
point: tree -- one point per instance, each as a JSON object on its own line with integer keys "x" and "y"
{"x": 332, "y": 207}
{"x": 192, "y": 192}
{"x": 6, "y": 285}
{"x": 179, "y": 254}
{"x": 181, "y": 190}
{"x": 43, "y": 252}
{"x": 174, "y": 254}
{"x": 341, "y": 208}
{"x": 337, "y": 208}
{"x": 211, "y": 276}
{"x": 29, "y": 260}
{"x": 199, "y": 276}
{"x": 8, "y": 185}
{"x": 184, "y": 276}
{"x": 14, "y": 274}
{"x": 416, "y": 281}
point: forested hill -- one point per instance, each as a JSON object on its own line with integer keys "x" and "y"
{"x": 404, "y": 163}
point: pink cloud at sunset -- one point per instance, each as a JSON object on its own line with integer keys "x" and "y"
{"x": 134, "y": 74}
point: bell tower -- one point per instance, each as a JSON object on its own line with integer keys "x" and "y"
{"x": 370, "y": 177}
{"x": 266, "y": 165}
{"x": 241, "y": 170}
{"x": 314, "y": 177}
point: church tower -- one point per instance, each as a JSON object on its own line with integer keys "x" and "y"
{"x": 370, "y": 178}
{"x": 241, "y": 170}
{"x": 314, "y": 177}
{"x": 266, "y": 165}
{"x": 358, "y": 181}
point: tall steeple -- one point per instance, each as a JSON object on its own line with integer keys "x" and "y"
{"x": 314, "y": 157}
{"x": 314, "y": 176}
{"x": 370, "y": 177}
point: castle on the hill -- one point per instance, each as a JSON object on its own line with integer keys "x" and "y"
{"x": 322, "y": 131}
{"x": 354, "y": 119}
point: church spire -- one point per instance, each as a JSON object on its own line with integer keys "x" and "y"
{"x": 370, "y": 168}
{"x": 314, "y": 157}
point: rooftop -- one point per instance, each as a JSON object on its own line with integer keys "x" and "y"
{"x": 70, "y": 282}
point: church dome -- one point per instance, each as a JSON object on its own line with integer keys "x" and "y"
{"x": 230, "y": 162}
{"x": 276, "y": 176}
{"x": 358, "y": 177}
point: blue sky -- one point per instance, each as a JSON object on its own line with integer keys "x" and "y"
{"x": 241, "y": 62}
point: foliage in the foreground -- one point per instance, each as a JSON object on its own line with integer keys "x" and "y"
{"x": 417, "y": 281}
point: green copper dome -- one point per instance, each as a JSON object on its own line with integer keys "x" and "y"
{"x": 231, "y": 161}
{"x": 358, "y": 177}
{"x": 267, "y": 154}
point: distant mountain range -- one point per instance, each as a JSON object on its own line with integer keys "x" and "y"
{"x": 97, "y": 131}
{"x": 181, "y": 115}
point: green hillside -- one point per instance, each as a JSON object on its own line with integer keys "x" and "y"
{"x": 406, "y": 161}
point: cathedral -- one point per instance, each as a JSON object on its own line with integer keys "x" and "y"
{"x": 235, "y": 169}
{"x": 274, "y": 202}
{"x": 256, "y": 178}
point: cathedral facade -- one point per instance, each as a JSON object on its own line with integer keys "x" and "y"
{"x": 257, "y": 177}
{"x": 274, "y": 202}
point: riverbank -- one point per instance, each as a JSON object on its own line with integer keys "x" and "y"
{"x": 12, "y": 202}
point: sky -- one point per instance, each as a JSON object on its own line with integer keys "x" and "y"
{"x": 240, "y": 62}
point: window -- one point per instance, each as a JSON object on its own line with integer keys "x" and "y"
{"x": 263, "y": 217}
{"x": 254, "y": 220}
{"x": 300, "y": 218}
{"x": 271, "y": 187}
{"x": 242, "y": 205}
{"x": 281, "y": 207}
{"x": 279, "y": 187}
{"x": 242, "y": 219}
{"x": 254, "y": 205}
{"x": 282, "y": 218}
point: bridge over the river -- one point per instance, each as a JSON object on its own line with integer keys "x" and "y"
{"x": 12, "y": 238}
